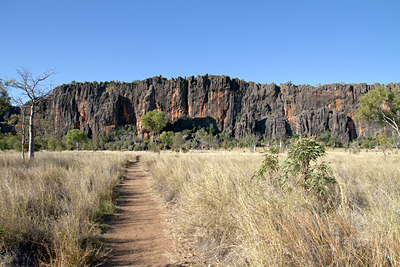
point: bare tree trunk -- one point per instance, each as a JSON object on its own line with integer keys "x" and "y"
{"x": 31, "y": 150}
{"x": 256, "y": 139}
{"x": 23, "y": 134}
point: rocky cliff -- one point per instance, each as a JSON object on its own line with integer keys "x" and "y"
{"x": 237, "y": 107}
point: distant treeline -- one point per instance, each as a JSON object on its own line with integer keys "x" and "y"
{"x": 196, "y": 138}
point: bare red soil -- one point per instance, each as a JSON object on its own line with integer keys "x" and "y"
{"x": 137, "y": 236}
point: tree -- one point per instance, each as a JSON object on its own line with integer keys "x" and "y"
{"x": 154, "y": 121}
{"x": 21, "y": 122}
{"x": 381, "y": 105}
{"x": 76, "y": 138}
{"x": 4, "y": 98}
{"x": 34, "y": 89}
{"x": 383, "y": 143}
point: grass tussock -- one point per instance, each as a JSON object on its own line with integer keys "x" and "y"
{"x": 237, "y": 220}
{"x": 50, "y": 207}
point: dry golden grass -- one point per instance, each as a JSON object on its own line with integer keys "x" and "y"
{"x": 50, "y": 208}
{"x": 239, "y": 221}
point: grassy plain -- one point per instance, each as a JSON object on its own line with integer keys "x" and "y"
{"x": 50, "y": 207}
{"x": 235, "y": 220}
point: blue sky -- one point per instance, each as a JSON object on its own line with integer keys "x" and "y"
{"x": 306, "y": 42}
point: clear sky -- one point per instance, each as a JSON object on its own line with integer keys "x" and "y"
{"x": 306, "y": 42}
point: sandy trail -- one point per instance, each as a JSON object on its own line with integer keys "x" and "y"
{"x": 137, "y": 235}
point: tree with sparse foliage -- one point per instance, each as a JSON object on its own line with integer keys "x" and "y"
{"x": 33, "y": 88}
{"x": 383, "y": 142}
{"x": 381, "y": 105}
{"x": 76, "y": 138}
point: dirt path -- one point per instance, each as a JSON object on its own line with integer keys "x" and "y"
{"x": 137, "y": 236}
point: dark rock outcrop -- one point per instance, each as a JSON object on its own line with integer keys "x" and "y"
{"x": 237, "y": 107}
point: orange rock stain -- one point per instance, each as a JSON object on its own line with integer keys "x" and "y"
{"x": 338, "y": 104}
{"x": 82, "y": 112}
{"x": 360, "y": 130}
{"x": 176, "y": 111}
{"x": 139, "y": 125}
{"x": 290, "y": 115}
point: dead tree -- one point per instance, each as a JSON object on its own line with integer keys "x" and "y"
{"x": 33, "y": 89}
{"x": 257, "y": 137}
{"x": 20, "y": 104}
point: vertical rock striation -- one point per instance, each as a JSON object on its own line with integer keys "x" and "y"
{"x": 237, "y": 107}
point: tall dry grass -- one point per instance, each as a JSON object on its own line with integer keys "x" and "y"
{"x": 236, "y": 220}
{"x": 50, "y": 207}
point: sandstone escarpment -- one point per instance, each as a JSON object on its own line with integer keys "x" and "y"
{"x": 237, "y": 107}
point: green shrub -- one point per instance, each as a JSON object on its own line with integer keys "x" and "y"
{"x": 75, "y": 138}
{"x": 301, "y": 166}
{"x": 9, "y": 141}
{"x": 368, "y": 142}
{"x": 329, "y": 140}
{"x": 167, "y": 139}
{"x": 269, "y": 164}
{"x": 274, "y": 150}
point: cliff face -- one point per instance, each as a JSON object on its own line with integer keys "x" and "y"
{"x": 237, "y": 107}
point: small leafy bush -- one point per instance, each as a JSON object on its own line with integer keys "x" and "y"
{"x": 274, "y": 150}
{"x": 300, "y": 165}
{"x": 329, "y": 139}
{"x": 269, "y": 164}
